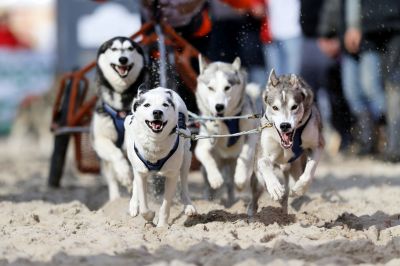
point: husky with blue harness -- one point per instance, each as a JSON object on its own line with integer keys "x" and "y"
{"x": 120, "y": 71}
{"x": 155, "y": 149}
{"x": 292, "y": 146}
{"x": 222, "y": 92}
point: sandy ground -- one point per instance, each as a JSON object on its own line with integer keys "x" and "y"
{"x": 350, "y": 216}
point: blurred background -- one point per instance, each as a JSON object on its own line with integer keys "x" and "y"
{"x": 42, "y": 39}
{"x": 347, "y": 50}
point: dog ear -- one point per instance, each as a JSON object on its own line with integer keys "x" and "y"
{"x": 272, "y": 79}
{"x": 202, "y": 64}
{"x": 138, "y": 101}
{"x": 293, "y": 80}
{"x": 265, "y": 96}
{"x": 237, "y": 63}
{"x": 171, "y": 98}
{"x": 307, "y": 93}
{"x": 142, "y": 89}
{"x": 105, "y": 46}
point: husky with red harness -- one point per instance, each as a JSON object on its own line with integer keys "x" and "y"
{"x": 120, "y": 71}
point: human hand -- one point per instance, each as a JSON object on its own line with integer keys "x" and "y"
{"x": 352, "y": 39}
{"x": 329, "y": 46}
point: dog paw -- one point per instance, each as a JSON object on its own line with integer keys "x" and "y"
{"x": 275, "y": 189}
{"x": 162, "y": 224}
{"x": 299, "y": 188}
{"x": 240, "y": 181}
{"x": 241, "y": 174}
{"x": 148, "y": 215}
{"x": 216, "y": 181}
{"x": 133, "y": 208}
{"x": 124, "y": 173}
{"x": 190, "y": 210}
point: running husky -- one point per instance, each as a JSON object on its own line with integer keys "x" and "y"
{"x": 292, "y": 146}
{"x": 221, "y": 91}
{"x": 120, "y": 71}
{"x": 155, "y": 149}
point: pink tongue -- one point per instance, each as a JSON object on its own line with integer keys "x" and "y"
{"x": 121, "y": 69}
{"x": 286, "y": 138}
{"x": 157, "y": 125}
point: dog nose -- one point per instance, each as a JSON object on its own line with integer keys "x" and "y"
{"x": 285, "y": 127}
{"x": 219, "y": 107}
{"x": 123, "y": 60}
{"x": 157, "y": 114}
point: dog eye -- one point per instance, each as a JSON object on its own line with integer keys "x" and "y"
{"x": 147, "y": 105}
{"x": 113, "y": 49}
{"x": 130, "y": 48}
{"x": 294, "y": 107}
{"x": 165, "y": 105}
{"x": 227, "y": 88}
{"x": 210, "y": 88}
{"x": 275, "y": 108}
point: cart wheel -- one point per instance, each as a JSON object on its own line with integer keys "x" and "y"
{"x": 60, "y": 148}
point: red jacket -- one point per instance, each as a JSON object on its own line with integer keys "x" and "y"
{"x": 250, "y": 5}
{"x": 8, "y": 39}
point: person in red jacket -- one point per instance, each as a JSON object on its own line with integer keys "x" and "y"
{"x": 7, "y": 37}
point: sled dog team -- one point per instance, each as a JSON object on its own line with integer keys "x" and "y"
{"x": 134, "y": 132}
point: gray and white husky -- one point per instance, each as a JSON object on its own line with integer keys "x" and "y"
{"x": 292, "y": 146}
{"x": 120, "y": 71}
{"x": 221, "y": 91}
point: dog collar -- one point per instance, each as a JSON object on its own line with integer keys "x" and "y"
{"x": 233, "y": 127}
{"x": 297, "y": 149}
{"x": 118, "y": 118}
{"x": 160, "y": 163}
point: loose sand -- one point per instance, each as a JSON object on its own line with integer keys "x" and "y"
{"x": 350, "y": 216}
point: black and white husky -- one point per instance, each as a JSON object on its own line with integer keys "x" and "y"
{"x": 154, "y": 149}
{"x": 120, "y": 71}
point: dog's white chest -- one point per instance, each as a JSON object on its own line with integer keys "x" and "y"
{"x": 227, "y": 147}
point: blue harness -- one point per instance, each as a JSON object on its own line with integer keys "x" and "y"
{"x": 118, "y": 121}
{"x": 297, "y": 142}
{"x": 160, "y": 163}
{"x": 233, "y": 127}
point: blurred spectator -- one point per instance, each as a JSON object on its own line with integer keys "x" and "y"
{"x": 381, "y": 33}
{"x": 236, "y": 32}
{"x": 190, "y": 18}
{"x": 362, "y": 83}
{"x": 7, "y": 37}
{"x": 321, "y": 69}
{"x": 283, "y": 53}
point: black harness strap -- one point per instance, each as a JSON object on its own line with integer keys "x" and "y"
{"x": 233, "y": 127}
{"x": 160, "y": 163}
{"x": 118, "y": 118}
{"x": 297, "y": 149}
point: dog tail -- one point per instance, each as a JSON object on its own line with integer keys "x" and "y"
{"x": 253, "y": 90}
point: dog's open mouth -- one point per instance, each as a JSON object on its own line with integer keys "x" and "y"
{"x": 156, "y": 125}
{"x": 286, "y": 139}
{"x": 122, "y": 70}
